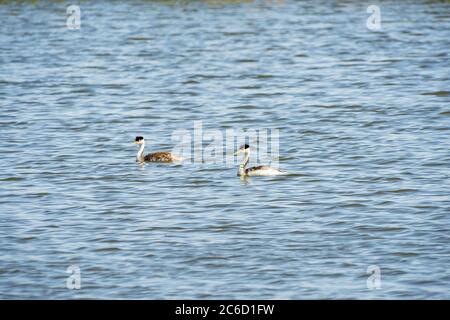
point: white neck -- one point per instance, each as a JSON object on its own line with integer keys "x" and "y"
{"x": 140, "y": 154}
{"x": 244, "y": 163}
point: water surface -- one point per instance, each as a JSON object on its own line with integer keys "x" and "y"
{"x": 364, "y": 122}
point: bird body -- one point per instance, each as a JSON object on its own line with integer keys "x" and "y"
{"x": 159, "y": 157}
{"x": 262, "y": 171}
{"x": 254, "y": 171}
{"x": 162, "y": 156}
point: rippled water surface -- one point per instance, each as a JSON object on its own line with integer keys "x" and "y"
{"x": 364, "y": 120}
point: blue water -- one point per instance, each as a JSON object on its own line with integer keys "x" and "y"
{"x": 364, "y": 119}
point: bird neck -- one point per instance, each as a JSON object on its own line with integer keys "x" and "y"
{"x": 244, "y": 163}
{"x": 140, "y": 154}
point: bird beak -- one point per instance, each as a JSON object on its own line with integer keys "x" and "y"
{"x": 237, "y": 152}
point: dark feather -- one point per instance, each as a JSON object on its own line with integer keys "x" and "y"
{"x": 256, "y": 168}
{"x": 159, "y": 157}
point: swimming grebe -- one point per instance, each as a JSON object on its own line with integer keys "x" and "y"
{"x": 155, "y": 156}
{"x": 254, "y": 171}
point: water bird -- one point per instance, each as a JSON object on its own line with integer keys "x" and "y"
{"x": 161, "y": 156}
{"x": 254, "y": 171}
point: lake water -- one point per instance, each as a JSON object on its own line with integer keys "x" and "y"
{"x": 363, "y": 116}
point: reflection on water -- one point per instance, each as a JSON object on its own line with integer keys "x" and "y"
{"x": 363, "y": 118}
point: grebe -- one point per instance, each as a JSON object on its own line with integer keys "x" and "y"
{"x": 155, "y": 156}
{"x": 254, "y": 171}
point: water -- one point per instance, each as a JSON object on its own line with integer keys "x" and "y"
{"x": 364, "y": 122}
